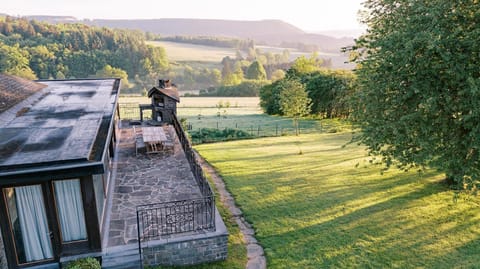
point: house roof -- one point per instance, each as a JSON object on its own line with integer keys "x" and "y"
{"x": 67, "y": 125}
{"x": 171, "y": 92}
{"x": 13, "y": 90}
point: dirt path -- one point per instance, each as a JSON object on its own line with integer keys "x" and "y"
{"x": 255, "y": 254}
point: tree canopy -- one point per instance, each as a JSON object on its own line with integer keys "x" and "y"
{"x": 293, "y": 100}
{"x": 35, "y": 49}
{"x": 419, "y": 75}
{"x": 256, "y": 71}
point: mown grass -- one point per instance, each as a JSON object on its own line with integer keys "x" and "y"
{"x": 329, "y": 207}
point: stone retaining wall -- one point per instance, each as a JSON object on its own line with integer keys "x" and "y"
{"x": 3, "y": 258}
{"x": 187, "y": 252}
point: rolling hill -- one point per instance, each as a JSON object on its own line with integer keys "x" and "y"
{"x": 268, "y": 32}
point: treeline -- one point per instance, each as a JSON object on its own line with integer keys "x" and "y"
{"x": 328, "y": 90}
{"x": 247, "y": 88}
{"x": 222, "y": 42}
{"x": 301, "y": 46}
{"x": 35, "y": 49}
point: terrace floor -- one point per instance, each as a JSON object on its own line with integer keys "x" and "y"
{"x": 145, "y": 179}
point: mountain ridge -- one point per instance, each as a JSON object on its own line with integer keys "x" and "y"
{"x": 269, "y": 32}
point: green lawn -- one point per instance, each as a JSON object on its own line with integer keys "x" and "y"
{"x": 329, "y": 207}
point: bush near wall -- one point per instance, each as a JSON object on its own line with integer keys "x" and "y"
{"x": 85, "y": 263}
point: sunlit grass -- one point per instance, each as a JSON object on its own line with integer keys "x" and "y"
{"x": 316, "y": 204}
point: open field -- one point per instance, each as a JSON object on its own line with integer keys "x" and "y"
{"x": 244, "y": 114}
{"x": 318, "y": 210}
{"x": 189, "y": 52}
{"x": 183, "y": 52}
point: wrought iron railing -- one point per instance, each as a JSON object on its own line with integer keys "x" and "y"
{"x": 193, "y": 215}
{"x": 192, "y": 159}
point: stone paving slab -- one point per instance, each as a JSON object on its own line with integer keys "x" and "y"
{"x": 145, "y": 179}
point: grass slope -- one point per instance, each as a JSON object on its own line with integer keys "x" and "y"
{"x": 317, "y": 210}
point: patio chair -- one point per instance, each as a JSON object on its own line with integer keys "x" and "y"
{"x": 139, "y": 143}
{"x": 169, "y": 145}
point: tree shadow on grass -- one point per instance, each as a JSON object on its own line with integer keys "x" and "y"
{"x": 377, "y": 236}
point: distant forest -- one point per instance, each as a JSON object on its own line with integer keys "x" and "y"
{"x": 39, "y": 50}
{"x": 221, "y": 42}
{"x": 33, "y": 49}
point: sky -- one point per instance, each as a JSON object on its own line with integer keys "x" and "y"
{"x": 308, "y": 15}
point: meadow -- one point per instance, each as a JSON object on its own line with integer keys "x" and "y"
{"x": 316, "y": 201}
{"x": 192, "y": 53}
{"x": 244, "y": 114}
{"x": 183, "y": 52}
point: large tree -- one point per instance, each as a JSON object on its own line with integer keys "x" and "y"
{"x": 419, "y": 78}
{"x": 256, "y": 71}
{"x": 294, "y": 101}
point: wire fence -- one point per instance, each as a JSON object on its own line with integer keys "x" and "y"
{"x": 273, "y": 128}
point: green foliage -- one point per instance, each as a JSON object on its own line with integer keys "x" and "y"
{"x": 269, "y": 98}
{"x": 419, "y": 98}
{"x": 317, "y": 210}
{"x": 330, "y": 91}
{"x": 278, "y": 74}
{"x": 232, "y": 73}
{"x": 85, "y": 263}
{"x": 112, "y": 72}
{"x": 256, "y": 71}
{"x": 304, "y": 65}
{"x": 221, "y": 42}
{"x": 247, "y": 88}
{"x": 15, "y": 61}
{"x": 294, "y": 101}
{"x": 208, "y": 135}
{"x": 74, "y": 50}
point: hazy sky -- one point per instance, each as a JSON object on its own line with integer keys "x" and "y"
{"x": 309, "y": 15}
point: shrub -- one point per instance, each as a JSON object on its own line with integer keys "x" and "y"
{"x": 85, "y": 263}
{"x": 208, "y": 135}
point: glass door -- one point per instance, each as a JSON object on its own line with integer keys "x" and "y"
{"x": 29, "y": 224}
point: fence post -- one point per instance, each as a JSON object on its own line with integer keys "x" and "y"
{"x": 258, "y": 131}
{"x": 276, "y": 129}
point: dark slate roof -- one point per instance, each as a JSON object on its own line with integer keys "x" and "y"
{"x": 13, "y": 90}
{"x": 171, "y": 92}
{"x": 61, "y": 127}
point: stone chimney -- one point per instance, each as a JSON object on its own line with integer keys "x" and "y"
{"x": 164, "y": 83}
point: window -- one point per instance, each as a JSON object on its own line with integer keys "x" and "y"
{"x": 68, "y": 197}
{"x": 98, "y": 185}
{"x": 28, "y": 219}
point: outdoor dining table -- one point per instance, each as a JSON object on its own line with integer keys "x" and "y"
{"x": 154, "y": 137}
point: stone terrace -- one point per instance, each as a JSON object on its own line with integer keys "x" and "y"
{"x": 145, "y": 179}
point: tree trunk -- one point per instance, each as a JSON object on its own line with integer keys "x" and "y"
{"x": 295, "y": 122}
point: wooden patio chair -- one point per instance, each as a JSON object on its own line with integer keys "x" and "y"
{"x": 169, "y": 145}
{"x": 139, "y": 143}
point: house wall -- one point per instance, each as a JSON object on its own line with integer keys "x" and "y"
{"x": 3, "y": 258}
